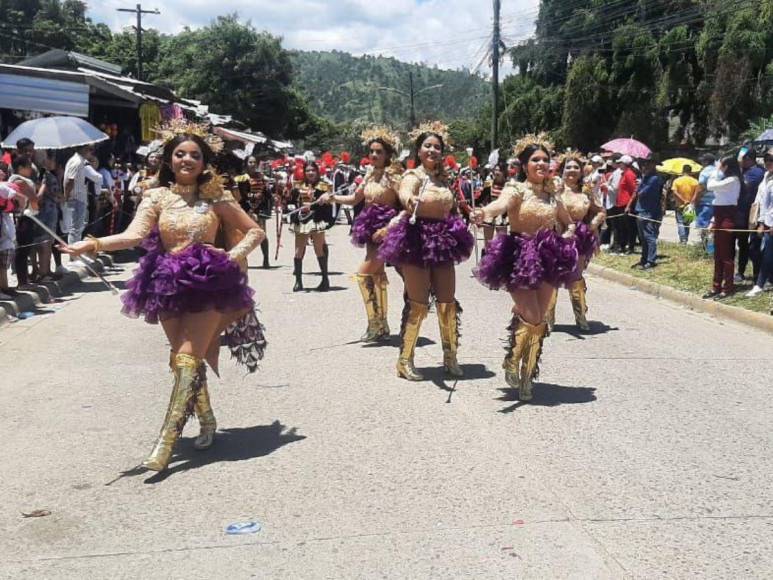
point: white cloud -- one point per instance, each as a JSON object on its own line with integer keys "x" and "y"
{"x": 446, "y": 33}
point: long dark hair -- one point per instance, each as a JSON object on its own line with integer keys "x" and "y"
{"x": 524, "y": 157}
{"x": 732, "y": 168}
{"x": 388, "y": 149}
{"x": 420, "y": 141}
{"x": 165, "y": 173}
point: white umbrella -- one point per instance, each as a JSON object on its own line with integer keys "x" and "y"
{"x": 56, "y": 133}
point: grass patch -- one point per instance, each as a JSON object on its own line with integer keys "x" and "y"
{"x": 686, "y": 268}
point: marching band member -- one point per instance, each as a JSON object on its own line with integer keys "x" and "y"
{"x": 588, "y": 218}
{"x": 378, "y": 191}
{"x": 193, "y": 288}
{"x": 255, "y": 199}
{"x": 311, "y": 219}
{"x": 531, "y": 260}
{"x": 426, "y": 240}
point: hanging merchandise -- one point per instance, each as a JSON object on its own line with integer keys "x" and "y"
{"x": 150, "y": 117}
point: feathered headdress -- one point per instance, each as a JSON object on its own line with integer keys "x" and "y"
{"x": 570, "y": 154}
{"x": 382, "y": 133}
{"x": 175, "y": 127}
{"x": 541, "y": 140}
{"x": 435, "y": 127}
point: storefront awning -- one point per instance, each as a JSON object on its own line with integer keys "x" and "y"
{"x": 44, "y": 95}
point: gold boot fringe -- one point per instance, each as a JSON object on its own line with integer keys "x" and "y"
{"x": 204, "y": 413}
{"x": 448, "y": 314}
{"x": 382, "y": 296}
{"x": 369, "y": 293}
{"x": 414, "y": 314}
{"x": 577, "y": 292}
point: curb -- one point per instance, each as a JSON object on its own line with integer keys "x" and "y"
{"x": 40, "y": 294}
{"x": 715, "y": 309}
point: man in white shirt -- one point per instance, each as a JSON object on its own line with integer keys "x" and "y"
{"x": 76, "y": 193}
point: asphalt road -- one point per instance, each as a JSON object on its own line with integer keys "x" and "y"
{"x": 645, "y": 453}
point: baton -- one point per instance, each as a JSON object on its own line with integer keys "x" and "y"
{"x": 412, "y": 219}
{"x": 30, "y": 214}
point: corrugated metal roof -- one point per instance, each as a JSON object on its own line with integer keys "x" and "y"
{"x": 44, "y": 95}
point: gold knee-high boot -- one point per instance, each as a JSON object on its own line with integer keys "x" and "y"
{"x": 204, "y": 413}
{"x": 202, "y": 407}
{"x": 534, "y": 336}
{"x": 186, "y": 370}
{"x": 551, "y": 316}
{"x": 515, "y": 350}
{"x": 448, "y": 318}
{"x": 577, "y": 293}
{"x": 382, "y": 296}
{"x": 413, "y": 315}
{"x": 369, "y": 292}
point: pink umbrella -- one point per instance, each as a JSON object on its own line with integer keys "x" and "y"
{"x": 630, "y": 147}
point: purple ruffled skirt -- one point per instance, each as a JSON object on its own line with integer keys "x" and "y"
{"x": 427, "y": 242}
{"x": 371, "y": 219}
{"x": 586, "y": 241}
{"x": 520, "y": 262}
{"x": 197, "y": 279}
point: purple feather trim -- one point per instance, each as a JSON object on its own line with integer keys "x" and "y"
{"x": 373, "y": 218}
{"x": 427, "y": 242}
{"x": 197, "y": 279}
{"x": 520, "y": 262}
{"x": 586, "y": 241}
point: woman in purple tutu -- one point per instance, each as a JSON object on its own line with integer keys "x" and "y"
{"x": 425, "y": 241}
{"x": 379, "y": 192}
{"x": 530, "y": 261}
{"x": 588, "y": 217}
{"x": 195, "y": 289}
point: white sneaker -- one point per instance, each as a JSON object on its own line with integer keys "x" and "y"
{"x": 754, "y": 292}
{"x": 604, "y": 247}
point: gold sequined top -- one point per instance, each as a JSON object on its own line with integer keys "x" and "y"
{"x": 437, "y": 201}
{"x": 530, "y": 207}
{"x": 182, "y": 219}
{"x": 581, "y": 207}
{"x": 380, "y": 186}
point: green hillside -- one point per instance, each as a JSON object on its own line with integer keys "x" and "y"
{"x": 345, "y": 89}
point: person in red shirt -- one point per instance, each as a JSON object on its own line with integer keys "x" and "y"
{"x": 626, "y": 225}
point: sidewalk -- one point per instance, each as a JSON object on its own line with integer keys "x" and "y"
{"x": 28, "y": 301}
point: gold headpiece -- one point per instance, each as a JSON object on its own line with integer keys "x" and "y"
{"x": 570, "y": 154}
{"x": 540, "y": 139}
{"x": 175, "y": 127}
{"x": 382, "y": 133}
{"x": 436, "y": 127}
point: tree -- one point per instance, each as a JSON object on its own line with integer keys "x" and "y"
{"x": 588, "y": 112}
{"x": 234, "y": 69}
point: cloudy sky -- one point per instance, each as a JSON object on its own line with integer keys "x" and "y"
{"x": 448, "y": 33}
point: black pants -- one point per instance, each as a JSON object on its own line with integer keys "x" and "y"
{"x": 625, "y": 231}
{"x": 25, "y": 236}
{"x": 748, "y": 247}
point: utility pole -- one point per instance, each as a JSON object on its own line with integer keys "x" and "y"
{"x": 139, "y": 12}
{"x": 413, "y": 106}
{"x": 411, "y": 94}
{"x": 495, "y": 75}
